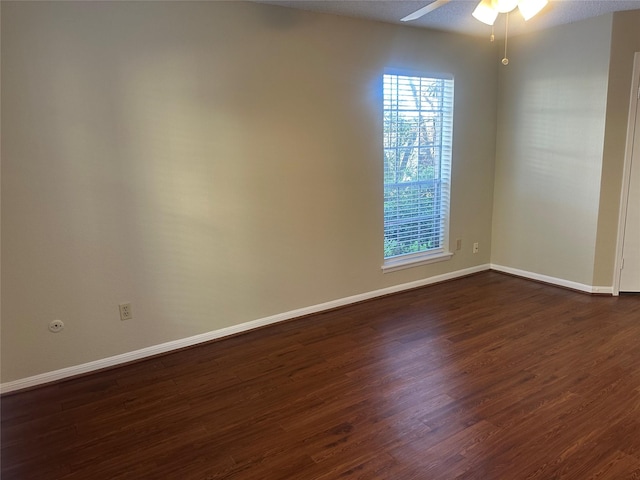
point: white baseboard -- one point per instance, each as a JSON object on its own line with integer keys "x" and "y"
{"x": 223, "y": 332}
{"x": 553, "y": 280}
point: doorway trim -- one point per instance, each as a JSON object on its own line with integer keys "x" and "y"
{"x": 626, "y": 173}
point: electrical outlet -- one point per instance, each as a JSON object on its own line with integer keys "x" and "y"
{"x": 125, "y": 311}
{"x": 56, "y": 326}
{"x": 475, "y": 247}
{"x": 458, "y": 244}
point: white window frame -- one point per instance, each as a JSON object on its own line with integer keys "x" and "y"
{"x": 444, "y": 133}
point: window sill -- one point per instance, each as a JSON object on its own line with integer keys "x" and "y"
{"x": 411, "y": 261}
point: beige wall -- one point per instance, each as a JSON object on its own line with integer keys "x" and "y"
{"x": 625, "y": 42}
{"x": 212, "y": 163}
{"x": 551, "y": 124}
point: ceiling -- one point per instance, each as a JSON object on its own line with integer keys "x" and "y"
{"x": 456, "y": 16}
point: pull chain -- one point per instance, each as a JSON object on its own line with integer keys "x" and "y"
{"x": 505, "y": 60}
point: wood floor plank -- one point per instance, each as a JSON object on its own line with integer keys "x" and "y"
{"x": 486, "y": 377}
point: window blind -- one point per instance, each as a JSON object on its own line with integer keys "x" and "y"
{"x": 418, "y": 134}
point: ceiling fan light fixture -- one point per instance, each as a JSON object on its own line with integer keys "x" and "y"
{"x": 485, "y": 12}
{"x": 504, "y": 6}
{"x": 529, "y": 8}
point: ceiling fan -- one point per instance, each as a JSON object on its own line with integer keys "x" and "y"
{"x": 487, "y": 10}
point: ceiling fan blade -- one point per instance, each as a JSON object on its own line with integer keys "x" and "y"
{"x": 424, "y": 10}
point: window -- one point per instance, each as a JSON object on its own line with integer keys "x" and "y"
{"x": 418, "y": 130}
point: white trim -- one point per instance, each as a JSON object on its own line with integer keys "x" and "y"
{"x": 626, "y": 175}
{"x": 409, "y": 261}
{"x": 560, "y": 282}
{"x": 223, "y": 332}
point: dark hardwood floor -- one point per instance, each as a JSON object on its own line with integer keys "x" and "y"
{"x": 485, "y": 377}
